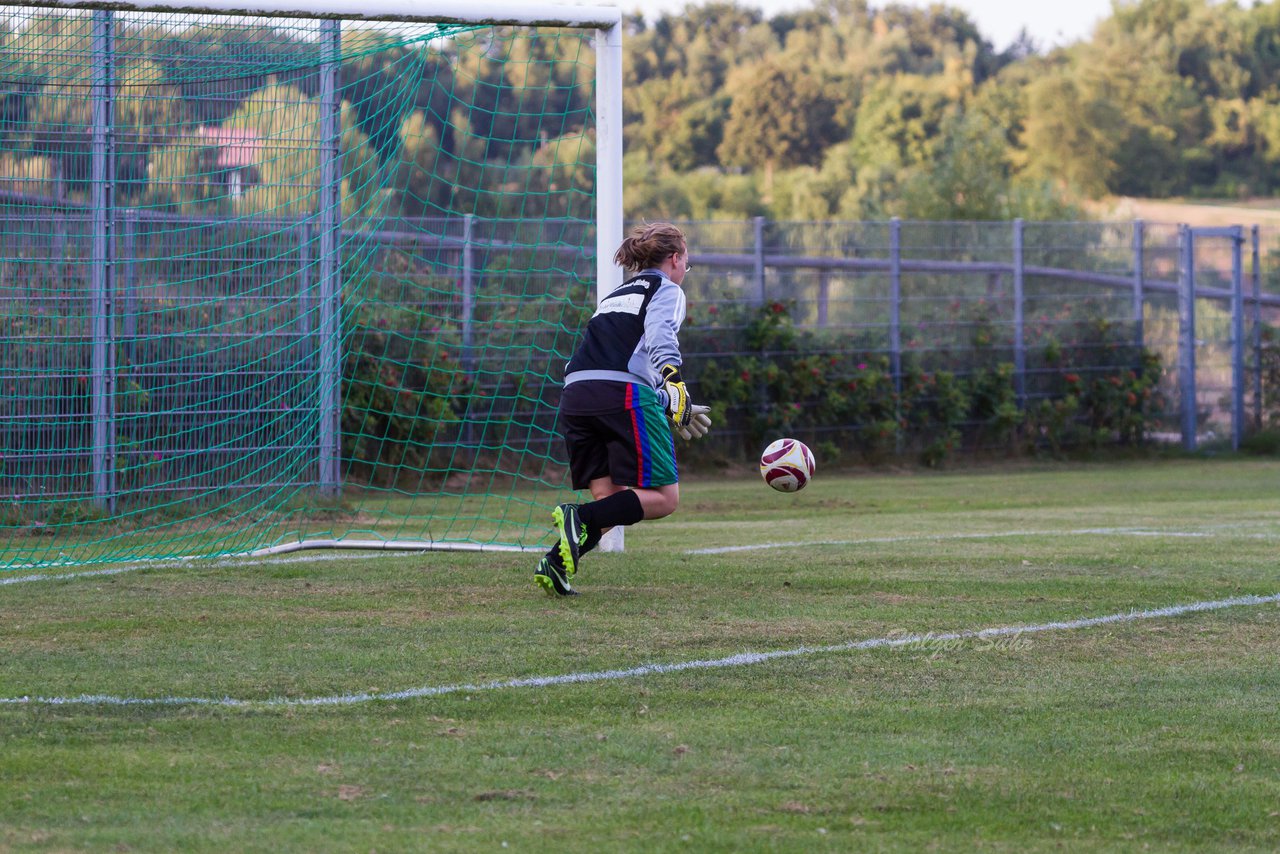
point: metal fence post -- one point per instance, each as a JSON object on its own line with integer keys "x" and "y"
{"x": 895, "y": 324}
{"x": 1237, "y": 339}
{"x": 468, "y": 312}
{"x": 895, "y": 302}
{"x": 330, "y": 215}
{"x": 1256, "y": 273}
{"x": 758, "y": 224}
{"x": 102, "y": 201}
{"x": 1139, "y": 264}
{"x": 1187, "y": 335}
{"x": 302, "y": 235}
{"x": 1019, "y": 341}
{"x": 126, "y": 282}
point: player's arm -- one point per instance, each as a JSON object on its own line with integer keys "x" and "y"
{"x": 662, "y": 324}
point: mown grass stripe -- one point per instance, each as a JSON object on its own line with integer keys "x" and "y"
{"x": 739, "y": 660}
{"x": 984, "y": 535}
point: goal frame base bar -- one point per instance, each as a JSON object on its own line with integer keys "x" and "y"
{"x": 384, "y": 545}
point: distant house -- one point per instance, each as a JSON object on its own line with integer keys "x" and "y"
{"x": 237, "y": 158}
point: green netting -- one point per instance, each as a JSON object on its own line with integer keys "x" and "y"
{"x": 261, "y": 285}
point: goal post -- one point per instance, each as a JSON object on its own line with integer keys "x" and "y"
{"x": 296, "y": 275}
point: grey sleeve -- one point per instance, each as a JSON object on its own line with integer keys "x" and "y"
{"x": 662, "y": 325}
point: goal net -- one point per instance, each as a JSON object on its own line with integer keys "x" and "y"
{"x": 275, "y": 282}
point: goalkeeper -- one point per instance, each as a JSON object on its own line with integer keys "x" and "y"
{"x": 623, "y": 399}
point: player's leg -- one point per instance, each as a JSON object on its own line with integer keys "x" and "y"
{"x": 588, "y": 465}
{"x": 551, "y": 576}
{"x": 597, "y": 518}
{"x": 639, "y": 479}
{"x": 642, "y": 482}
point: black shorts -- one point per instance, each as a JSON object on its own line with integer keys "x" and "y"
{"x": 617, "y": 430}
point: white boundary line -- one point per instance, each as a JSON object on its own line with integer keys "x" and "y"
{"x": 740, "y": 660}
{"x": 990, "y": 535}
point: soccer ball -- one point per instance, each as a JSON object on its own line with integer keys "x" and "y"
{"x": 787, "y": 465}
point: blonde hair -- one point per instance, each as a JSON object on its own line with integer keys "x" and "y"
{"x": 649, "y": 245}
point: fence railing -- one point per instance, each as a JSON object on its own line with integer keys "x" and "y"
{"x": 215, "y": 334}
{"x": 877, "y": 285}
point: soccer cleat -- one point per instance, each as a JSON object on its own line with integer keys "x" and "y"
{"x": 551, "y": 578}
{"x": 572, "y": 535}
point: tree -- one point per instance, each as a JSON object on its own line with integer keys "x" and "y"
{"x": 779, "y": 117}
{"x": 971, "y": 179}
{"x": 1071, "y": 137}
{"x": 899, "y": 122}
{"x": 967, "y": 180}
{"x": 419, "y": 167}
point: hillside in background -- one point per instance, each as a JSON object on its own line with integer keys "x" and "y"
{"x": 847, "y": 110}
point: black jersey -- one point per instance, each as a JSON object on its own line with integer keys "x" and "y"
{"x": 632, "y": 334}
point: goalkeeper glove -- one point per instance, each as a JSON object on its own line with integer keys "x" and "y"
{"x": 677, "y": 396}
{"x": 699, "y": 423}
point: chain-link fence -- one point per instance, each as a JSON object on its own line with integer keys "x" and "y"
{"x": 869, "y": 340}
{"x": 1052, "y": 333}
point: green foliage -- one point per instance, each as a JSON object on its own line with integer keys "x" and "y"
{"x": 1091, "y": 406}
{"x": 780, "y": 116}
{"x": 776, "y": 380}
{"x": 835, "y": 111}
{"x": 934, "y": 406}
{"x": 970, "y": 177}
{"x": 769, "y": 378}
{"x": 1270, "y": 366}
{"x": 871, "y": 109}
{"x": 400, "y": 380}
{"x": 1168, "y": 97}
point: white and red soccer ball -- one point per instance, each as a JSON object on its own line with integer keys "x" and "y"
{"x": 787, "y": 465}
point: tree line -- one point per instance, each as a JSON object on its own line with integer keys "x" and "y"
{"x": 849, "y": 111}
{"x": 841, "y": 110}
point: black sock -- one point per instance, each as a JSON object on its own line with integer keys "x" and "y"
{"x": 621, "y": 508}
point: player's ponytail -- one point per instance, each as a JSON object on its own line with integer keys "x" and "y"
{"x": 649, "y": 245}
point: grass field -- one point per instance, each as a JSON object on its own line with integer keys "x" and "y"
{"x": 1150, "y": 732}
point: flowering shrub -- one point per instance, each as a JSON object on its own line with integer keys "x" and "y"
{"x": 1100, "y": 390}
{"x": 400, "y": 380}
{"x": 766, "y": 378}
{"x": 1269, "y": 358}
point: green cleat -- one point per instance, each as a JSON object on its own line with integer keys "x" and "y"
{"x": 572, "y": 535}
{"x": 551, "y": 577}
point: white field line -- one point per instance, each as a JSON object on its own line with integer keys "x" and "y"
{"x": 740, "y": 660}
{"x": 990, "y": 535}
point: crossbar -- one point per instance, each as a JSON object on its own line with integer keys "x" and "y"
{"x": 425, "y": 11}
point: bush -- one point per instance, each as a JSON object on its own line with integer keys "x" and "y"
{"x": 765, "y": 378}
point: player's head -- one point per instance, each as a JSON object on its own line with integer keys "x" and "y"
{"x": 651, "y": 246}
